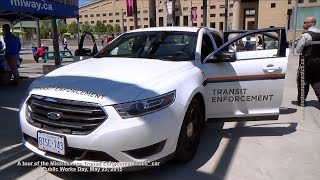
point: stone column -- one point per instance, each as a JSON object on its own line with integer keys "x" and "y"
{"x": 236, "y": 15}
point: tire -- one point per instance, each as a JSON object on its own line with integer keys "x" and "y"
{"x": 189, "y": 135}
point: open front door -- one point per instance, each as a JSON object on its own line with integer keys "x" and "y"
{"x": 249, "y": 85}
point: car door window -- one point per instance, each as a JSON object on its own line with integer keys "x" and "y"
{"x": 207, "y": 46}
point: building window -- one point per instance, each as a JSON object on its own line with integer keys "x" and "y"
{"x": 312, "y": 1}
{"x": 185, "y": 9}
{"x": 160, "y": 21}
{"x": 222, "y": 14}
{"x": 194, "y": 24}
{"x": 231, "y": 6}
{"x": 131, "y": 28}
{"x": 80, "y": 16}
{"x": 86, "y": 16}
{"x": 117, "y": 20}
{"x": 92, "y": 22}
{"x": 221, "y": 26}
{"x": 117, "y": 13}
{"x": 138, "y": 12}
{"x": 104, "y": 14}
{"x": 177, "y": 9}
{"x": 222, "y": 6}
{"x": 145, "y": 26}
{"x": 139, "y": 19}
{"x": 145, "y": 19}
{"x": 160, "y": 10}
{"x": 300, "y": 1}
{"x": 104, "y": 21}
{"x": 213, "y": 7}
{"x": 145, "y": 11}
{"x": 212, "y": 15}
{"x": 131, "y": 20}
{"x": 273, "y": 5}
{"x": 201, "y": 7}
{"x": 124, "y": 20}
{"x": 185, "y": 20}
{"x": 289, "y": 1}
{"x": 125, "y": 28}
{"x": 230, "y": 14}
{"x": 110, "y": 14}
{"x": 91, "y": 15}
{"x": 213, "y": 25}
{"x": 86, "y": 22}
{"x": 98, "y": 15}
{"x": 110, "y": 21}
{"x": 271, "y": 26}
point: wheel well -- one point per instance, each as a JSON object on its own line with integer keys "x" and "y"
{"x": 201, "y": 99}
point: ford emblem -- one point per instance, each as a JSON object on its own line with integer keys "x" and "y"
{"x": 53, "y": 115}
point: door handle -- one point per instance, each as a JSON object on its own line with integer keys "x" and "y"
{"x": 272, "y": 69}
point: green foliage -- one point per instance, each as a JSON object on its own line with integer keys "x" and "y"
{"x": 86, "y": 27}
{"x": 73, "y": 28}
{"x": 63, "y": 28}
{"x": 45, "y": 29}
{"x": 117, "y": 29}
{"x": 100, "y": 28}
{"x": 109, "y": 29}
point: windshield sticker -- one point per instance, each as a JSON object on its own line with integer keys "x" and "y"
{"x": 237, "y": 95}
{"x": 74, "y": 91}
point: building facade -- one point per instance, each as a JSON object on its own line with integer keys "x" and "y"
{"x": 242, "y": 14}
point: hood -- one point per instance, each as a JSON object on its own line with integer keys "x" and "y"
{"x": 108, "y": 80}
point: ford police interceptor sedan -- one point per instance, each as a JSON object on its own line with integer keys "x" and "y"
{"x": 146, "y": 96}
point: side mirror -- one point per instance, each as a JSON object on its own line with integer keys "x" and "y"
{"x": 223, "y": 56}
{"x": 82, "y": 52}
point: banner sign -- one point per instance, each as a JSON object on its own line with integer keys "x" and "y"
{"x": 48, "y": 7}
{"x": 129, "y": 7}
{"x": 194, "y": 13}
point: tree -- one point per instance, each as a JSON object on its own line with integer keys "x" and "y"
{"x": 86, "y": 27}
{"x": 45, "y": 29}
{"x": 117, "y": 29}
{"x": 100, "y": 28}
{"x": 63, "y": 28}
{"x": 109, "y": 29}
{"x": 73, "y": 28}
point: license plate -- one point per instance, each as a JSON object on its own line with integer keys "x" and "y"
{"x": 52, "y": 143}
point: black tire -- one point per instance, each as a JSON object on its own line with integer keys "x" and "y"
{"x": 189, "y": 135}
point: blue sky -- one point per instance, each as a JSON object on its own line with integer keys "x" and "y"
{"x": 84, "y": 1}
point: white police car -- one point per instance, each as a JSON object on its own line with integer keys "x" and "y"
{"x": 146, "y": 96}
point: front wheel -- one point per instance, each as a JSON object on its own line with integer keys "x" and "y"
{"x": 189, "y": 136}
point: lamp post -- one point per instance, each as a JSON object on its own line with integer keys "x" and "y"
{"x": 294, "y": 24}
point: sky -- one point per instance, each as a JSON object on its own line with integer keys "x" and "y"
{"x": 84, "y": 1}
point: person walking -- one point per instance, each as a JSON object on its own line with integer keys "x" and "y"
{"x": 65, "y": 46}
{"x": 12, "y": 50}
{"x": 309, "y": 64}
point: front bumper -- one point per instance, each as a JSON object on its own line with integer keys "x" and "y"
{"x": 115, "y": 139}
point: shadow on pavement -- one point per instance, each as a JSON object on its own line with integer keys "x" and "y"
{"x": 313, "y": 103}
{"x": 284, "y": 110}
{"x": 210, "y": 141}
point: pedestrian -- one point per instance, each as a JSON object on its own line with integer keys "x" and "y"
{"x": 65, "y": 46}
{"x": 13, "y": 47}
{"x": 39, "y": 53}
{"x": 309, "y": 64}
{"x": 102, "y": 41}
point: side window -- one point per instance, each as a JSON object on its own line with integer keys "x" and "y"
{"x": 255, "y": 42}
{"x": 207, "y": 46}
{"x": 217, "y": 39}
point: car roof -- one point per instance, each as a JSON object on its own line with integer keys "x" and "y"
{"x": 168, "y": 28}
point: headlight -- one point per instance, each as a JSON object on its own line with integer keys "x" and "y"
{"x": 139, "y": 108}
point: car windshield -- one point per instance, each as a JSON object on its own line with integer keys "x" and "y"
{"x": 164, "y": 45}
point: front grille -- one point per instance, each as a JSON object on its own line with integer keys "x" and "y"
{"x": 64, "y": 116}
